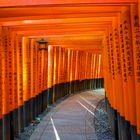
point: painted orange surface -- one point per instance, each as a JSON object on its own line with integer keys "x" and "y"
{"x": 50, "y": 66}
{"x": 19, "y": 62}
{"x": 1, "y": 92}
{"x": 41, "y": 2}
{"x": 136, "y": 47}
{"x": 5, "y": 97}
{"x": 87, "y": 39}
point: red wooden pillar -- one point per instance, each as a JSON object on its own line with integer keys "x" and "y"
{"x": 27, "y": 79}
{"x": 50, "y": 72}
{"x": 74, "y": 65}
{"x": 139, "y": 11}
{"x": 63, "y": 66}
{"x": 71, "y": 65}
{"x": 107, "y": 67}
{"x": 85, "y": 65}
{"x": 124, "y": 74}
{"x": 56, "y": 68}
{"x": 102, "y": 72}
{"x": 76, "y": 70}
{"x": 62, "y": 71}
{"x": 32, "y": 79}
{"x": 34, "y": 76}
{"x": 45, "y": 95}
{"x": 96, "y": 70}
{"x": 66, "y": 71}
{"x": 60, "y": 67}
{"x": 135, "y": 20}
{"x": 88, "y": 71}
{"x": 68, "y": 68}
{"x": 112, "y": 75}
{"x": 1, "y": 103}
{"x": 37, "y": 70}
{"x": 81, "y": 70}
{"x": 92, "y": 70}
{"x": 128, "y": 49}
{"x": 5, "y": 96}
{"x": 71, "y": 71}
{"x": 118, "y": 70}
{"x": 13, "y": 84}
{"x": 18, "y": 64}
{"x": 55, "y": 74}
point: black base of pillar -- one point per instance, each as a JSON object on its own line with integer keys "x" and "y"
{"x": 63, "y": 89}
{"x": 114, "y": 123}
{"x": 36, "y": 106}
{"x": 120, "y": 127}
{"x": 33, "y": 108}
{"x": 88, "y": 84}
{"x": 21, "y": 119}
{"x": 72, "y": 87}
{"x": 26, "y": 113}
{"x": 1, "y": 135}
{"x": 6, "y": 127}
{"x": 29, "y": 111}
{"x": 138, "y": 137}
{"x": 95, "y": 81}
{"x": 66, "y": 89}
{"x": 40, "y": 103}
{"x": 84, "y": 85}
{"x": 124, "y": 127}
{"x": 112, "y": 116}
{"x": 14, "y": 128}
{"x": 44, "y": 99}
{"x": 81, "y": 85}
{"x": 133, "y": 132}
{"x": 126, "y": 130}
{"x": 56, "y": 92}
{"x": 50, "y": 96}
{"x": 102, "y": 83}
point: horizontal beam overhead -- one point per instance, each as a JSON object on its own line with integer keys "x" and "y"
{"x": 48, "y": 2}
{"x": 77, "y": 24}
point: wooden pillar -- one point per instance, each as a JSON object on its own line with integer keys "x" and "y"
{"x": 26, "y": 79}
{"x": 1, "y": 103}
{"x": 50, "y": 72}
{"x": 76, "y": 71}
{"x": 5, "y": 96}
{"x": 68, "y": 72}
{"x": 135, "y": 26}
{"x": 19, "y": 65}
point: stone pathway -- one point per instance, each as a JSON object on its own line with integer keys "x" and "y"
{"x": 69, "y": 119}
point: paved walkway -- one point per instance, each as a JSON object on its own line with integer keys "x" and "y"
{"x": 72, "y": 119}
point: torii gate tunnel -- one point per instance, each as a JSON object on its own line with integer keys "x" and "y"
{"x": 88, "y": 44}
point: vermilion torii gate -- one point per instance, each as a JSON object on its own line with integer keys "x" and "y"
{"x": 88, "y": 42}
